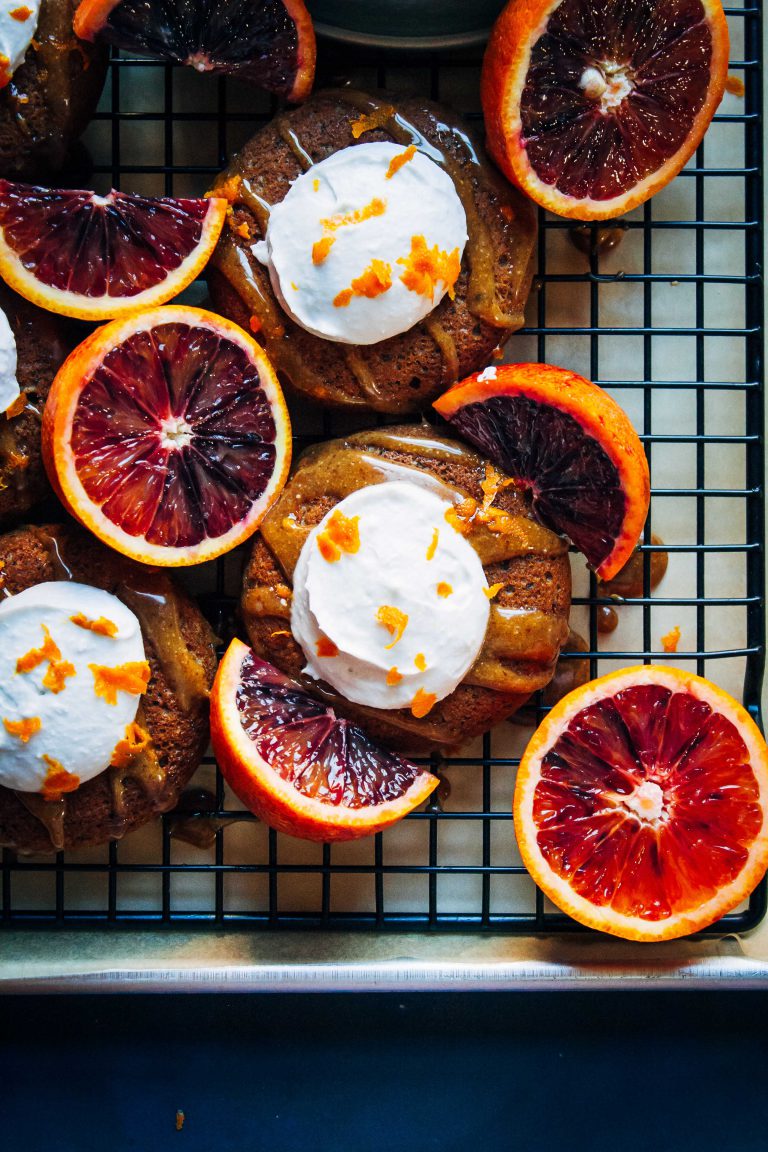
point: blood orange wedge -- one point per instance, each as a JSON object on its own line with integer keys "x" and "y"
{"x": 99, "y": 257}
{"x": 297, "y": 765}
{"x": 569, "y": 443}
{"x": 641, "y": 805}
{"x": 593, "y": 106}
{"x": 269, "y": 43}
{"x": 167, "y": 435}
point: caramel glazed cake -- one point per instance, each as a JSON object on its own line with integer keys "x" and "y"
{"x": 405, "y": 372}
{"x": 526, "y": 567}
{"x": 173, "y": 710}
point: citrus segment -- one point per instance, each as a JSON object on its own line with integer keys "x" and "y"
{"x": 569, "y": 443}
{"x": 592, "y": 106}
{"x": 298, "y": 766}
{"x": 269, "y": 43}
{"x": 641, "y": 804}
{"x": 167, "y": 435}
{"x": 98, "y": 257}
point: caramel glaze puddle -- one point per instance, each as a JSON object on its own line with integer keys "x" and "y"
{"x": 326, "y": 474}
{"x": 251, "y": 280}
{"x": 149, "y": 595}
{"x": 628, "y": 582}
{"x": 593, "y": 242}
{"x": 199, "y": 831}
{"x": 607, "y": 619}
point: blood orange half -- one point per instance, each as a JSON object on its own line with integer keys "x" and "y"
{"x": 569, "y": 443}
{"x": 641, "y": 805}
{"x": 100, "y": 257}
{"x": 269, "y": 43}
{"x": 166, "y": 434}
{"x": 593, "y": 106}
{"x": 299, "y": 767}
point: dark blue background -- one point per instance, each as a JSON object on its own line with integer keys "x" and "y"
{"x": 363, "y": 1073}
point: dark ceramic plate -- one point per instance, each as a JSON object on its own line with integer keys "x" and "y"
{"x": 420, "y": 24}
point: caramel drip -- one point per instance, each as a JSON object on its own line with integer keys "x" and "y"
{"x": 518, "y": 635}
{"x": 446, "y": 345}
{"x": 361, "y": 371}
{"x": 147, "y": 771}
{"x": 49, "y": 813}
{"x": 260, "y": 601}
{"x": 11, "y": 468}
{"x": 55, "y": 549}
{"x": 294, "y": 143}
{"x": 161, "y": 625}
{"x": 254, "y": 203}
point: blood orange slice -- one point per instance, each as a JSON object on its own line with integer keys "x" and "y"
{"x": 641, "y": 805}
{"x": 167, "y": 435}
{"x": 569, "y": 443}
{"x": 299, "y": 767}
{"x": 99, "y": 257}
{"x": 269, "y": 43}
{"x": 593, "y": 106}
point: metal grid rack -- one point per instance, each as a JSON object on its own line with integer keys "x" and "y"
{"x": 693, "y": 387}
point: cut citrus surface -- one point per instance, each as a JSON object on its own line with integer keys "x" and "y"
{"x": 166, "y": 434}
{"x": 269, "y": 43}
{"x": 299, "y": 767}
{"x": 569, "y": 443}
{"x": 100, "y": 257}
{"x": 593, "y": 106}
{"x": 641, "y": 805}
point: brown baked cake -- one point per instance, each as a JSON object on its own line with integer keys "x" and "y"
{"x": 525, "y": 565}
{"x": 173, "y": 710}
{"x": 43, "y": 341}
{"x": 401, "y": 373}
{"x": 51, "y": 96}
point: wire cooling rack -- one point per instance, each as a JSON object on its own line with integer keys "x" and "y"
{"x": 670, "y": 321}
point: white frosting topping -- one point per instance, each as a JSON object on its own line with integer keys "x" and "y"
{"x": 78, "y": 729}
{"x": 410, "y": 560}
{"x": 366, "y": 243}
{"x": 18, "y": 23}
{"x": 9, "y": 385}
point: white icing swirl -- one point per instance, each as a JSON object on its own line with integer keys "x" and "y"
{"x": 9, "y": 385}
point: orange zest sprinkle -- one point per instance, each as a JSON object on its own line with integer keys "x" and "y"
{"x": 394, "y": 621}
{"x": 492, "y": 485}
{"x": 321, "y": 248}
{"x": 341, "y": 534}
{"x": 17, "y": 407}
{"x": 24, "y": 729}
{"x": 375, "y": 280}
{"x": 444, "y": 589}
{"x": 461, "y": 515}
{"x": 670, "y": 641}
{"x": 493, "y": 590}
{"x": 424, "y": 267}
{"x": 57, "y": 780}
{"x": 422, "y": 703}
{"x": 433, "y": 544}
{"x": 254, "y": 324}
{"x": 229, "y": 190}
{"x": 397, "y": 162}
{"x": 326, "y": 647}
{"x": 132, "y": 677}
{"x": 508, "y": 212}
{"x": 102, "y": 626}
{"x": 420, "y": 661}
{"x": 377, "y": 207}
{"x": 58, "y": 669}
{"x": 136, "y": 739}
{"x": 18, "y": 460}
{"x": 280, "y": 632}
{"x": 21, "y": 13}
{"x": 369, "y": 121}
{"x": 283, "y": 591}
{"x": 316, "y": 184}
{"x": 243, "y": 230}
{"x": 393, "y": 677}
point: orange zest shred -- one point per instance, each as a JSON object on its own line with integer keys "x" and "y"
{"x": 461, "y": 515}
{"x": 394, "y": 621}
{"x": 369, "y": 121}
{"x": 393, "y": 677}
{"x": 424, "y": 267}
{"x": 242, "y": 230}
{"x": 21, "y": 13}
{"x": 420, "y": 661}
{"x": 254, "y": 324}
{"x": 341, "y": 534}
{"x": 5, "y": 69}
{"x": 433, "y": 544}
{"x": 493, "y": 591}
{"x": 377, "y": 207}
{"x": 229, "y": 190}
{"x": 422, "y": 703}
{"x": 444, "y": 589}
{"x": 132, "y": 677}
{"x": 280, "y": 632}
{"x": 326, "y": 647}
{"x": 17, "y": 407}
{"x": 492, "y": 485}
{"x": 18, "y": 461}
{"x": 58, "y": 669}
{"x": 24, "y": 729}
{"x": 136, "y": 739}
{"x": 316, "y": 184}
{"x": 375, "y": 280}
{"x": 57, "y": 780}
{"x": 670, "y": 641}
{"x": 321, "y": 248}
{"x": 102, "y": 626}
{"x": 397, "y": 162}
